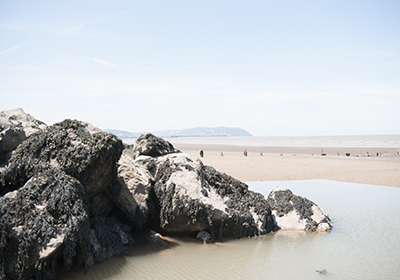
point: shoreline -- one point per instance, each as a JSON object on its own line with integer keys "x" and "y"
{"x": 302, "y": 163}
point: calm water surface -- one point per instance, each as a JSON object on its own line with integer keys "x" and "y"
{"x": 364, "y": 243}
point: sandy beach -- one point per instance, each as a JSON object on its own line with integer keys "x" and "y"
{"x": 376, "y": 166}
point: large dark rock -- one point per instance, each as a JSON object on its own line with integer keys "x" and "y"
{"x": 15, "y": 127}
{"x": 54, "y": 203}
{"x": 67, "y": 146}
{"x": 44, "y": 219}
{"x": 48, "y": 219}
{"x": 150, "y": 145}
{"x": 292, "y": 211}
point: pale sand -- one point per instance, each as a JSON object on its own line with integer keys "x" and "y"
{"x": 289, "y": 163}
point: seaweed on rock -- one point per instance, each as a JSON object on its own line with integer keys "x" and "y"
{"x": 67, "y": 146}
{"x": 48, "y": 211}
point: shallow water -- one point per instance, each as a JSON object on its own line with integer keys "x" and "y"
{"x": 364, "y": 243}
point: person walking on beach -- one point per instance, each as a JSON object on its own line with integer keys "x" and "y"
{"x": 201, "y": 153}
{"x": 245, "y": 152}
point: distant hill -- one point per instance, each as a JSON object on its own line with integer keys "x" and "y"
{"x": 203, "y": 132}
{"x": 122, "y": 133}
{"x": 189, "y": 132}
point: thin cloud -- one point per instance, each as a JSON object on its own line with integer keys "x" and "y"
{"x": 88, "y": 23}
{"x": 103, "y": 62}
{"x": 21, "y": 46}
{"x": 17, "y": 47}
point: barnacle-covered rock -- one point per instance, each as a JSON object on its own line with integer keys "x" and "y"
{"x": 47, "y": 219}
{"x": 150, "y": 145}
{"x": 15, "y": 127}
{"x": 193, "y": 197}
{"x": 292, "y": 211}
{"x": 43, "y": 220}
{"x": 88, "y": 155}
{"x": 175, "y": 193}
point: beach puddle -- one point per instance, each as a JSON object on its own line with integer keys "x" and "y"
{"x": 364, "y": 244}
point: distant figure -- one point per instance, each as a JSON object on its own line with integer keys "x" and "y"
{"x": 245, "y": 152}
{"x": 201, "y": 153}
{"x": 337, "y": 153}
{"x": 261, "y": 154}
{"x": 222, "y": 154}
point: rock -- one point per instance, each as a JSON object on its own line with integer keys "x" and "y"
{"x": 15, "y": 127}
{"x": 51, "y": 179}
{"x": 291, "y": 211}
{"x": 44, "y": 219}
{"x": 48, "y": 218}
{"x": 192, "y": 197}
{"x": 177, "y": 194}
{"x": 132, "y": 190}
{"x": 107, "y": 239}
{"x": 100, "y": 205}
{"x": 67, "y": 146}
{"x": 204, "y": 237}
{"x": 150, "y": 145}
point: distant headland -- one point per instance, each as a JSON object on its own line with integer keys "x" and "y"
{"x": 188, "y": 132}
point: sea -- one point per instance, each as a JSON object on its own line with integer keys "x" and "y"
{"x": 355, "y": 141}
{"x": 363, "y": 244}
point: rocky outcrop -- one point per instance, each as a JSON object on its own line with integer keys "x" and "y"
{"x": 67, "y": 146}
{"x": 15, "y": 127}
{"x": 74, "y": 193}
{"x": 291, "y": 211}
{"x": 177, "y": 194}
{"x": 54, "y": 203}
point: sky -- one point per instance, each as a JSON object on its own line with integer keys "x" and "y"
{"x": 273, "y": 68}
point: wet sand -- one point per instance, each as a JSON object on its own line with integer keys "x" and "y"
{"x": 291, "y": 163}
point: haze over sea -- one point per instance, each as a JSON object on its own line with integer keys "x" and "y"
{"x": 373, "y": 141}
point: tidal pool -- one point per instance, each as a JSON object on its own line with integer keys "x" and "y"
{"x": 364, "y": 243}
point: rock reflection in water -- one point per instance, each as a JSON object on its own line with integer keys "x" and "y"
{"x": 362, "y": 245}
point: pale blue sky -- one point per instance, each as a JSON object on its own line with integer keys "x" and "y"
{"x": 279, "y": 68}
